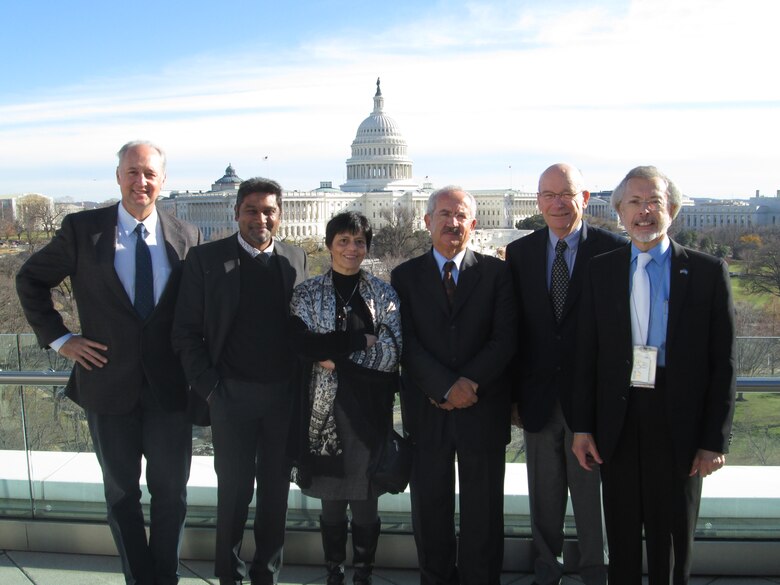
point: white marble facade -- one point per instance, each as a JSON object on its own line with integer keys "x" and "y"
{"x": 379, "y": 177}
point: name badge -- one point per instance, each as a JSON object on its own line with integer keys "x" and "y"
{"x": 643, "y": 372}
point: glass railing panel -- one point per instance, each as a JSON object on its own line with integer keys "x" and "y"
{"x": 65, "y": 476}
{"x": 9, "y": 352}
{"x": 15, "y": 488}
{"x": 33, "y": 358}
{"x": 60, "y": 472}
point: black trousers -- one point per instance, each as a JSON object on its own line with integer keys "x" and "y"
{"x": 249, "y": 425}
{"x": 478, "y": 557}
{"x": 164, "y": 439}
{"x": 644, "y": 488}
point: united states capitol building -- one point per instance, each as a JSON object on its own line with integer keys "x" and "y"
{"x": 379, "y": 179}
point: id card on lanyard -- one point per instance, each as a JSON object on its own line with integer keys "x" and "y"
{"x": 643, "y": 370}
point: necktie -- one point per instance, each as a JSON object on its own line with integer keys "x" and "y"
{"x": 559, "y": 282}
{"x": 144, "y": 277}
{"x": 449, "y": 282}
{"x": 263, "y": 258}
{"x": 640, "y": 300}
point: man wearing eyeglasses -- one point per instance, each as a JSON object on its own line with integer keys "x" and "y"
{"x": 655, "y": 386}
{"x": 547, "y": 268}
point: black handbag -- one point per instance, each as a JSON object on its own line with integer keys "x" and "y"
{"x": 392, "y": 464}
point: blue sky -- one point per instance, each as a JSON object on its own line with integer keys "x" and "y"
{"x": 487, "y": 93}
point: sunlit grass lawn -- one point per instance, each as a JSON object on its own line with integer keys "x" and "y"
{"x": 739, "y": 289}
{"x": 756, "y": 431}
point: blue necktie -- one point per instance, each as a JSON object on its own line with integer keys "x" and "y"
{"x": 144, "y": 277}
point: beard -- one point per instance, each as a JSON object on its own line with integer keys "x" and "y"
{"x": 663, "y": 222}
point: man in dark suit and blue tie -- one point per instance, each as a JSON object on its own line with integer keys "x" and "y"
{"x": 655, "y": 390}
{"x": 231, "y": 334}
{"x": 124, "y": 263}
{"x": 548, "y": 268}
{"x": 458, "y": 316}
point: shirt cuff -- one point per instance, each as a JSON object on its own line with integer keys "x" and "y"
{"x": 60, "y": 341}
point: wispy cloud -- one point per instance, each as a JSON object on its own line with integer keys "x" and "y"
{"x": 495, "y": 83}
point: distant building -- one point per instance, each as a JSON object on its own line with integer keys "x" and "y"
{"x": 23, "y": 208}
{"x": 758, "y": 211}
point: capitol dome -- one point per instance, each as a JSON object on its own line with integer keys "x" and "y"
{"x": 379, "y": 160}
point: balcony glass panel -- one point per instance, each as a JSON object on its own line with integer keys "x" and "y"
{"x": 48, "y": 469}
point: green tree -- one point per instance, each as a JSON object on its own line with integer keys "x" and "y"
{"x": 687, "y": 238}
{"x": 761, "y": 269}
{"x": 532, "y": 222}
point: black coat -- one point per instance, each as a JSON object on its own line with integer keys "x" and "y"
{"x": 543, "y": 367}
{"x": 83, "y": 249}
{"x": 475, "y": 340}
{"x": 700, "y": 353}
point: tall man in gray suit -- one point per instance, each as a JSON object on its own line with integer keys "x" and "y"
{"x": 124, "y": 263}
{"x": 654, "y": 395}
{"x": 547, "y": 269}
{"x": 459, "y": 331}
{"x": 231, "y": 334}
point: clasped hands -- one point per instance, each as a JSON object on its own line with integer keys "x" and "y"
{"x": 462, "y": 394}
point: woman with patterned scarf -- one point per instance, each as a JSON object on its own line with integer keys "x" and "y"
{"x": 347, "y": 329}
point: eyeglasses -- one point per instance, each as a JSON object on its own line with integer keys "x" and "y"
{"x": 549, "y": 196}
{"x": 651, "y": 204}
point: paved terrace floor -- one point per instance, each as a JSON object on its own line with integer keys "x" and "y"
{"x": 26, "y": 568}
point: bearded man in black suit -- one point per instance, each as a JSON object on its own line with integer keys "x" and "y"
{"x": 231, "y": 334}
{"x": 655, "y": 389}
{"x": 548, "y": 268}
{"x": 458, "y": 319}
{"x": 124, "y": 263}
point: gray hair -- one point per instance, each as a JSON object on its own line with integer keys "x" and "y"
{"x": 133, "y": 143}
{"x": 472, "y": 203}
{"x": 650, "y": 173}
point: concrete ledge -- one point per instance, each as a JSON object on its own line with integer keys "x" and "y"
{"x": 737, "y": 492}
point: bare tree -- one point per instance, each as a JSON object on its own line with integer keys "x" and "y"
{"x": 398, "y": 239}
{"x": 37, "y": 217}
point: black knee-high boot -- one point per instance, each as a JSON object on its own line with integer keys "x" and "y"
{"x": 334, "y": 545}
{"x": 364, "y": 541}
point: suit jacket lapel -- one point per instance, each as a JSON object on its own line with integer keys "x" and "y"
{"x": 621, "y": 299}
{"x": 584, "y": 254}
{"x": 430, "y": 278}
{"x": 678, "y": 285}
{"x": 104, "y": 240}
{"x": 175, "y": 244}
{"x": 288, "y": 272}
{"x": 468, "y": 277}
{"x": 223, "y": 274}
{"x": 537, "y": 268}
